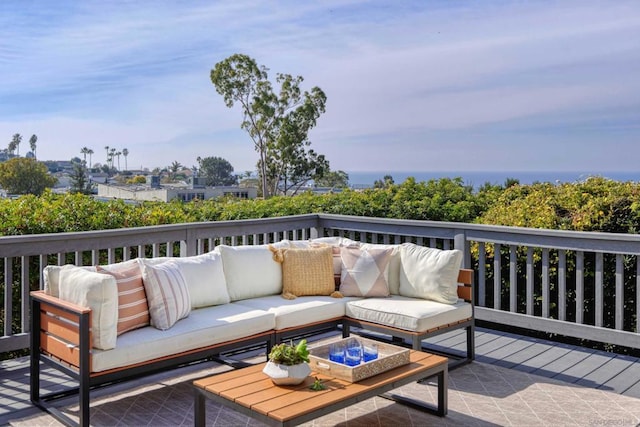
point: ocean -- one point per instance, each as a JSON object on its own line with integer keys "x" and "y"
{"x": 477, "y": 179}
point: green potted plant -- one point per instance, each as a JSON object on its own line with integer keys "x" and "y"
{"x": 288, "y": 363}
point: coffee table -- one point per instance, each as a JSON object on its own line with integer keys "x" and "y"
{"x": 251, "y": 392}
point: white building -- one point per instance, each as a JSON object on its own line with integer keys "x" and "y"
{"x": 154, "y": 191}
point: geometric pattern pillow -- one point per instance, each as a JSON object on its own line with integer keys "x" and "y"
{"x": 365, "y": 272}
{"x": 133, "y": 309}
{"x": 167, "y": 293}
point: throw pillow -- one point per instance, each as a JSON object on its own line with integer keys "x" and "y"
{"x": 429, "y": 273}
{"x": 394, "y": 264}
{"x": 250, "y": 271}
{"x": 133, "y": 309}
{"x": 167, "y": 293}
{"x": 204, "y": 275}
{"x": 98, "y": 292}
{"x": 306, "y": 271}
{"x": 364, "y": 272}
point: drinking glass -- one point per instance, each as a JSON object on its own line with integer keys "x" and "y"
{"x": 353, "y": 355}
{"x": 369, "y": 351}
{"x": 336, "y": 352}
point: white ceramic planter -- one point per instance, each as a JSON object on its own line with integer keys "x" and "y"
{"x": 285, "y": 374}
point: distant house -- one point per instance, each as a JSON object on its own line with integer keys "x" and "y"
{"x": 154, "y": 191}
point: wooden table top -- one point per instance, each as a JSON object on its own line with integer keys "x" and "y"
{"x": 252, "y": 389}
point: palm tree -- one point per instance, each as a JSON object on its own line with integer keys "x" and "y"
{"x": 84, "y": 151}
{"x": 15, "y": 143}
{"x": 118, "y": 153}
{"x": 125, "y": 153}
{"x": 89, "y": 152}
{"x": 106, "y": 147}
{"x": 173, "y": 169}
{"x": 32, "y": 144}
{"x": 112, "y": 154}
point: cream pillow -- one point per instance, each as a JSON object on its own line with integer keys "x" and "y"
{"x": 250, "y": 271}
{"x": 98, "y": 292}
{"x": 394, "y": 264}
{"x": 364, "y": 272}
{"x": 167, "y": 292}
{"x": 429, "y": 273}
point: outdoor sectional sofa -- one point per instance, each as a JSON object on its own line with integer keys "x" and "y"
{"x": 115, "y": 322}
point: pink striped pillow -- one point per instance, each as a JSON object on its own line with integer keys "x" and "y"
{"x": 167, "y": 293}
{"x": 133, "y": 310}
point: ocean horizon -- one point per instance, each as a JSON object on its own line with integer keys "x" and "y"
{"x": 479, "y": 178}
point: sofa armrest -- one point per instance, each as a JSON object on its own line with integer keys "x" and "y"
{"x": 465, "y": 287}
{"x": 60, "y": 329}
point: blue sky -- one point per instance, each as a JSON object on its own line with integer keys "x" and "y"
{"x": 411, "y": 85}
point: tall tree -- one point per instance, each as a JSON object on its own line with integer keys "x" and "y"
{"x": 90, "y": 153}
{"x": 277, "y": 123}
{"x": 125, "y": 153}
{"x": 14, "y": 144}
{"x": 217, "y": 171}
{"x": 118, "y": 154}
{"x": 107, "y": 148}
{"x": 33, "y": 145}
{"x": 84, "y": 151}
{"x": 175, "y": 167}
{"x": 23, "y": 175}
{"x": 80, "y": 178}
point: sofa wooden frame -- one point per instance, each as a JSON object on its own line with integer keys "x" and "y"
{"x": 61, "y": 338}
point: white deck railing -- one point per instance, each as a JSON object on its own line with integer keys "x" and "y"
{"x": 583, "y": 285}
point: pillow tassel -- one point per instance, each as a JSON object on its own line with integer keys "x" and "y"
{"x": 288, "y": 295}
{"x": 336, "y": 294}
{"x": 278, "y": 254}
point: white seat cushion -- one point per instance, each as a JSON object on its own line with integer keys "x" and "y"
{"x": 300, "y": 311}
{"x": 411, "y": 314}
{"x": 204, "y": 326}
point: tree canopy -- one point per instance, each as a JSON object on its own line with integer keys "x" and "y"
{"x": 23, "y": 175}
{"x": 217, "y": 171}
{"x": 278, "y": 123}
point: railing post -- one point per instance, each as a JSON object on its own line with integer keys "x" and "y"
{"x": 460, "y": 242}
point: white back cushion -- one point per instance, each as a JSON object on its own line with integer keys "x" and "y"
{"x": 204, "y": 275}
{"x": 429, "y": 273}
{"x": 51, "y": 278}
{"x": 250, "y": 271}
{"x": 97, "y": 291}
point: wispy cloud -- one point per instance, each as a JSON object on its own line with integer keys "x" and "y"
{"x": 443, "y": 79}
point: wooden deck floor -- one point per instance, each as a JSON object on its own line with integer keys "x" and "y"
{"x": 576, "y": 365}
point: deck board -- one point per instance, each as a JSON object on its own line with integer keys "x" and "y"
{"x": 577, "y": 365}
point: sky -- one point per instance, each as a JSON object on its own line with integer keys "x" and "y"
{"x": 420, "y": 85}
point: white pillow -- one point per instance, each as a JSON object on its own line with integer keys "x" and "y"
{"x": 429, "y": 273}
{"x": 51, "y": 278}
{"x": 167, "y": 292}
{"x": 251, "y": 271}
{"x": 97, "y": 291}
{"x": 394, "y": 264}
{"x": 205, "y": 279}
